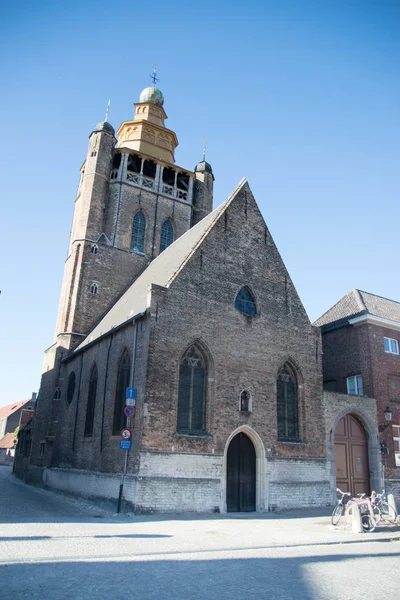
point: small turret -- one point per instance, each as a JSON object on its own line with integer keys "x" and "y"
{"x": 203, "y": 191}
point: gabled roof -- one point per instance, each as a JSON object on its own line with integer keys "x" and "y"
{"x": 355, "y": 304}
{"x": 6, "y": 411}
{"x": 8, "y": 441}
{"x": 162, "y": 271}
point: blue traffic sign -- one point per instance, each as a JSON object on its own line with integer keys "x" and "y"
{"x": 130, "y": 393}
{"x": 125, "y": 444}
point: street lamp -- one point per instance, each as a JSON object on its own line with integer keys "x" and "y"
{"x": 388, "y": 418}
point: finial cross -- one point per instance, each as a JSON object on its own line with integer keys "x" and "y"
{"x": 154, "y": 77}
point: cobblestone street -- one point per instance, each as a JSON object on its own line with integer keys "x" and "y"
{"x": 58, "y": 548}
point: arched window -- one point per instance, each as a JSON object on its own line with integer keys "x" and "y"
{"x": 167, "y": 235}
{"x": 287, "y": 405}
{"x": 57, "y": 393}
{"x": 138, "y": 232}
{"x": 192, "y": 392}
{"x": 94, "y": 249}
{"x": 71, "y": 387}
{"x": 245, "y": 401}
{"x": 245, "y": 302}
{"x": 93, "y": 288}
{"x": 119, "y": 420}
{"x": 91, "y": 403}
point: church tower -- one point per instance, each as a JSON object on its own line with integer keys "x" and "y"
{"x": 132, "y": 202}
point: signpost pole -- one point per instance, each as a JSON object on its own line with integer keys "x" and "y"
{"x": 121, "y": 485}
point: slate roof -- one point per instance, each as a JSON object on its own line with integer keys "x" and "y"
{"x": 8, "y": 441}
{"x": 355, "y": 304}
{"x": 6, "y": 411}
{"x": 161, "y": 271}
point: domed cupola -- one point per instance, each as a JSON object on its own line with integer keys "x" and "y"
{"x": 153, "y": 95}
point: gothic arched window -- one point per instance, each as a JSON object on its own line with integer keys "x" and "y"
{"x": 167, "y": 235}
{"x": 192, "y": 392}
{"x": 91, "y": 402}
{"x": 119, "y": 420}
{"x": 287, "y": 405}
{"x": 245, "y": 302}
{"x": 71, "y": 387}
{"x": 138, "y": 232}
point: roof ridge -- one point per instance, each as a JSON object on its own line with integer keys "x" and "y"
{"x": 378, "y": 296}
{"x": 359, "y": 299}
{"x": 219, "y": 210}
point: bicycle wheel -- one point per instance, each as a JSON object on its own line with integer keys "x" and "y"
{"x": 368, "y": 523}
{"x": 337, "y": 513}
{"x": 388, "y": 512}
{"x": 377, "y": 513}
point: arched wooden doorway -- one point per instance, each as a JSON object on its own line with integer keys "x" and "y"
{"x": 241, "y": 475}
{"x": 351, "y": 451}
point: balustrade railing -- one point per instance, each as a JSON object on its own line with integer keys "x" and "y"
{"x": 149, "y": 183}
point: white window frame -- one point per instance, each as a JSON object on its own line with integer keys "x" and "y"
{"x": 391, "y": 345}
{"x": 358, "y": 386}
{"x": 396, "y": 444}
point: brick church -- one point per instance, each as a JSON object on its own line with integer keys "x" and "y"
{"x": 194, "y": 308}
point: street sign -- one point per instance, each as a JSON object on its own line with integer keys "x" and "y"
{"x": 130, "y": 393}
{"x": 126, "y": 434}
{"x": 130, "y": 402}
{"x": 125, "y": 444}
{"x": 129, "y": 411}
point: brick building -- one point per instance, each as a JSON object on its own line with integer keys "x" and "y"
{"x": 194, "y": 308}
{"x": 360, "y": 338}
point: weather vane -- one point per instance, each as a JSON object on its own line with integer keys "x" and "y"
{"x": 204, "y": 151}
{"x": 154, "y": 76}
{"x": 108, "y": 108}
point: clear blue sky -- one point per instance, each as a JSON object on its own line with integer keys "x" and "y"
{"x": 301, "y": 97}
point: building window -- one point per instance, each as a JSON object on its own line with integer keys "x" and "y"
{"x": 355, "y": 385}
{"x": 245, "y": 302}
{"x": 91, "y": 403}
{"x": 57, "y": 393}
{"x": 167, "y": 235}
{"x": 94, "y": 249}
{"x": 93, "y": 288}
{"x": 391, "y": 346}
{"x": 42, "y": 448}
{"x": 396, "y": 444}
{"x": 138, "y": 232}
{"x": 245, "y": 401}
{"x": 192, "y": 392}
{"x": 287, "y": 405}
{"x": 119, "y": 420}
{"x": 71, "y": 387}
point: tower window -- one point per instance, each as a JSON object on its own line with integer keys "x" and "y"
{"x": 287, "y": 405}
{"x": 182, "y": 181}
{"x": 93, "y": 288}
{"x": 167, "y": 235}
{"x": 57, "y": 393}
{"x": 245, "y": 302}
{"x": 149, "y": 168}
{"x": 192, "y": 392}
{"x": 94, "y": 249}
{"x": 134, "y": 163}
{"x": 168, "y": 176}
{"x": 138, "y": 232}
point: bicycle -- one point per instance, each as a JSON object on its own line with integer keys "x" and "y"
{"x": 339, "y": 509}
{"x": 382, "y": 509}
{"x": 365, "y": 505}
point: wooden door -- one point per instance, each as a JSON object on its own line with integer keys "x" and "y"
{"x": 241, "y": 475}
{"x": 351, "y": 450}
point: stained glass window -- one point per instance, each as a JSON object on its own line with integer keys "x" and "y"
{"x": 245, "y": 302}
{"x": 119, "y": 420}
{"x": 138, "y": 232}
{"x": 167, "y": 235}
{"x": 192, "y": 392}
{"x": 91, "y": 403}
{"x": 287, "y": 405}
